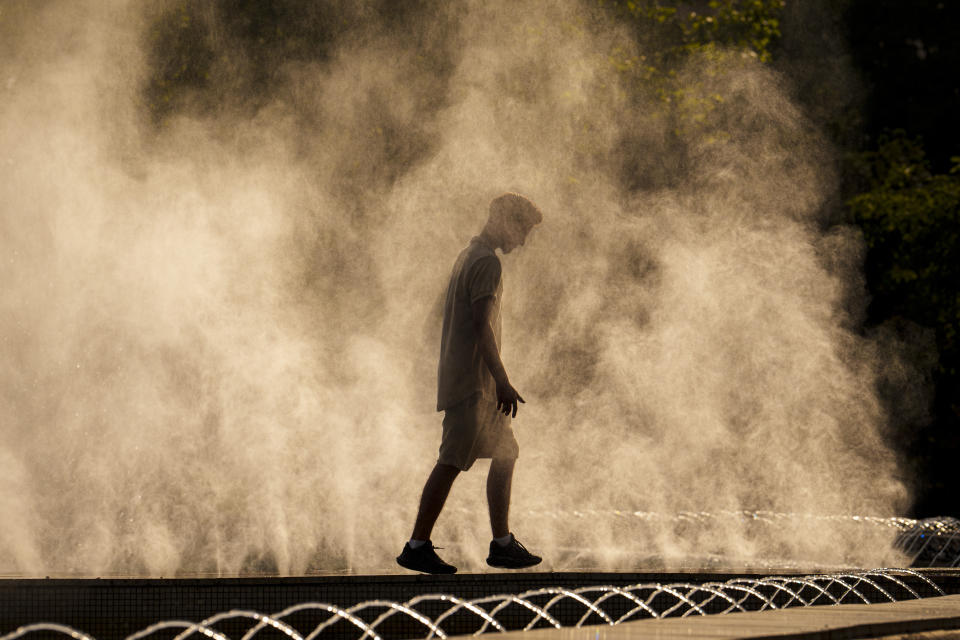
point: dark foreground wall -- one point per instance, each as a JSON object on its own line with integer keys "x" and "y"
{"x": 115, "y": 608}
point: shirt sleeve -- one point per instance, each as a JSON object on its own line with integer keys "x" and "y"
{"x": 483, "y": 278}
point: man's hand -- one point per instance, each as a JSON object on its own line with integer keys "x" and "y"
{"x": 507, "y": 398}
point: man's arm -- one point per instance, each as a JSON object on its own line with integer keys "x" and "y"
{"x": 507, "y": 396}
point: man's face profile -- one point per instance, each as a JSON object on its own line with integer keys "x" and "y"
{"x": 516, "y": 234}
{"x": 512, "y": 217}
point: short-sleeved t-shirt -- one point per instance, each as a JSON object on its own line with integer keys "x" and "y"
{"x": 462, "y": 371}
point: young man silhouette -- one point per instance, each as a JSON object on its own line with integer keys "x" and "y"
{"x": 474, "y": 391}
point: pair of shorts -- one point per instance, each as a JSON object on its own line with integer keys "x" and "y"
{"x": 475, "y": 429}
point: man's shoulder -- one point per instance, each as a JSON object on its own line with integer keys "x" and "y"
{"x": 478, "y": 251}
{"x": 486, "y": 263}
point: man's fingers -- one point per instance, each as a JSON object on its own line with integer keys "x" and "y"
{"x": 511, "y": 405}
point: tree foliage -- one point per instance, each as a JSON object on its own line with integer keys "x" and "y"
{"x": 910, "y": 219}
{"x": 667, "y": 37}
{"x": 911, "y": 222}
{"x": 750, "y": 26}
{"x": 904, "y": 196}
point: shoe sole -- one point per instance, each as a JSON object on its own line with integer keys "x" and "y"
{"x": 514, "y": 566}
{"x": 431, "y": 573}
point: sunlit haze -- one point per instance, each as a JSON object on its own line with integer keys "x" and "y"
{"x": 219, "y": 328}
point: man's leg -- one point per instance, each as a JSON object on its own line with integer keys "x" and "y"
{"x": 499, "y": 481}
{"x": 422, "y": 557}
{"x": 509, "y": 554}
{"x": 434, "y": 496}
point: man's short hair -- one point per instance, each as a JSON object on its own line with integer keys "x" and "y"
{"x": 513, "y": 206}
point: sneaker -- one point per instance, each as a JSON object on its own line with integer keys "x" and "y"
{"x": 511, "y": 556}
{"x": 423, "y": 559}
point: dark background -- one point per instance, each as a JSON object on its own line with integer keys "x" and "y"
{"x": 908, "y": 55}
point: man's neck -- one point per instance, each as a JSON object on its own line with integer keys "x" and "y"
{"x": 488, "y": 240}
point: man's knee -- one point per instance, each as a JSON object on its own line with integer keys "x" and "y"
{"x": 446, "y": 469}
